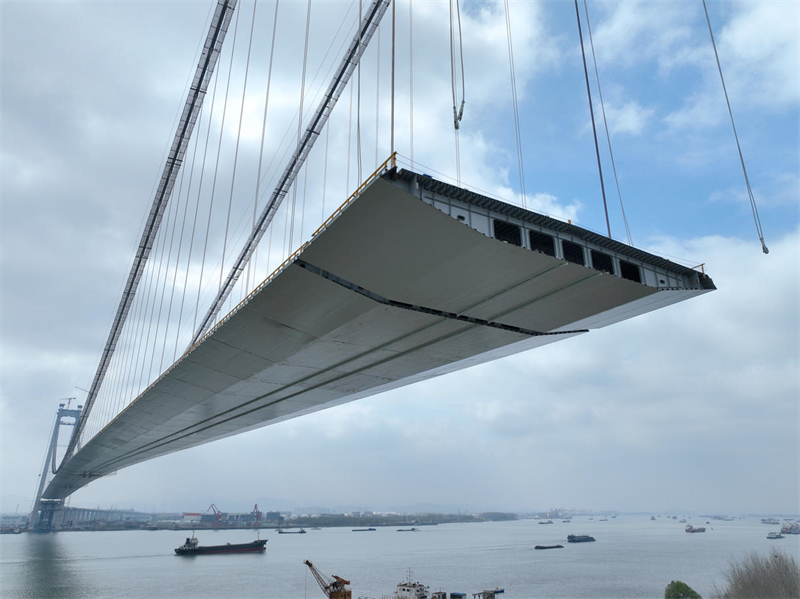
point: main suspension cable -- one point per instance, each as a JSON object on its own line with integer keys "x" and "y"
{"x": 756, "y": 218}
{"x": 591, "y": 113}
{"x": 605, "y": 123}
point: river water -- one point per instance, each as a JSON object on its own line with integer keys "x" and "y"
{"x": 632, "y": 557}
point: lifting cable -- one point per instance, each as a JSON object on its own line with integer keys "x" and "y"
{"x": 180, "y": 246}
{"x": 349, "y": 143}
{"x": 358, "y": 103}
{"x": 263, "y": 134}
{"x": 605, "y": 123}
{"x": 194, "y": 228}
{"x": 300, "y": 123}
{"x": 166, "y": 271}
{"x": 303, "y": 210}
{"x": 377, "y": 99}
{"x": 411, "y": 79}
{"x": 151, "y": 286}
{"x": 210, "y": 208}
{"x": 299, "y": 127}
{"x": 520, "y": 162}
{"x": 173, "y": 222}
{"x": 238, "y": 136}
{"x": 458, "y": 113}
{"x": 325, "y": 168}
{"x": 219, "y": 146}
{"x": 591, "y": 113}
{"x": 394, "y": 11}
{"x": 169, "y": 260}
{"x": 756, "y": 218}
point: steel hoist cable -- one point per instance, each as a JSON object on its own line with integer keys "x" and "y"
{"x": 411, "y": 78}
{"x": 300, "y": 130}
{"x": 377, "y": 99}
{"x": 756, "y": 218}
{"x": 458, "y": 113}
{"x": 358, "y": 104}
{"x": 238, "y": 137}
{"x": 264, "y": 131}
{"x": 520, "y": 162}
{"x": 591, "y": 114}
{"x": 605, "y": 123}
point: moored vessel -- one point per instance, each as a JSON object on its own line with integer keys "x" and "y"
{"x": 790, "y": 528}
{"x": 691, "y": 528}
{"x": 193, "y": 547}
{"x": 409, "y": 589}
{"x": 580, "y": 539}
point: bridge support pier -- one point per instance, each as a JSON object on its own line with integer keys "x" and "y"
{"x": 42, "y": 516}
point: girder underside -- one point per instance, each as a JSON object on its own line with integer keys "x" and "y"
{"x": 305, "y": 343}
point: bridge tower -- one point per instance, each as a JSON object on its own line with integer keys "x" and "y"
{"x": 41, "y": 518}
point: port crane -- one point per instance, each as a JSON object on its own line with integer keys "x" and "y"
{"x": 333, "y": 587}
{"x": 217, "y": 514}
{"x": 257, "y": 517}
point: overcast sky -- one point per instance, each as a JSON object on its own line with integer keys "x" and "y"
{"x": 692, "y": 408}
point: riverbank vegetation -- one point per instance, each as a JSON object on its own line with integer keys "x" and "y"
{"x": 776, "y": 575}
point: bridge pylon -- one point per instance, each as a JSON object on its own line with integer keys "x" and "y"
{"x": 43, "y": 515}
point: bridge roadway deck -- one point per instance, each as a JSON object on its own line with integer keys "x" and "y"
{"x": 392, "y": 292}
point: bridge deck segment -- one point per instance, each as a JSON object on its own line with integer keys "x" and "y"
{"x": 395, "y": 290}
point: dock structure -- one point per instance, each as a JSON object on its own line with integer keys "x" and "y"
{"x": 412, "y": 278}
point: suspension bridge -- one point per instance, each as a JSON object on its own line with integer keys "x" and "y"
{"x": 412, "y": 277}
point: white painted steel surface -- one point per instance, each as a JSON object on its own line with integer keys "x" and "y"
{"x": 304, "y": 343}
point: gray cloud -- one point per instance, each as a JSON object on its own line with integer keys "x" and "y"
{"x": 694, "y": 407}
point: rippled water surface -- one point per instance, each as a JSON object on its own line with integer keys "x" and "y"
{"x": 633, "y": 557}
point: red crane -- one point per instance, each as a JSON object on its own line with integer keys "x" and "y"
{"x": 257, "y": 514}
{"x": 217, "y": 514}
{"x": 334, "y": 587}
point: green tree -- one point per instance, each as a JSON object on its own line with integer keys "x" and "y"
{"x": 680, "y": 590}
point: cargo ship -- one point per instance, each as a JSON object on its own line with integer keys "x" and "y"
{"x": 580, "y": 539}
{"x": 691, "y": 528}
{"x": 192, "y": 547}
{"x": 281, "y": 531}
{"x": 790, "y": 528}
